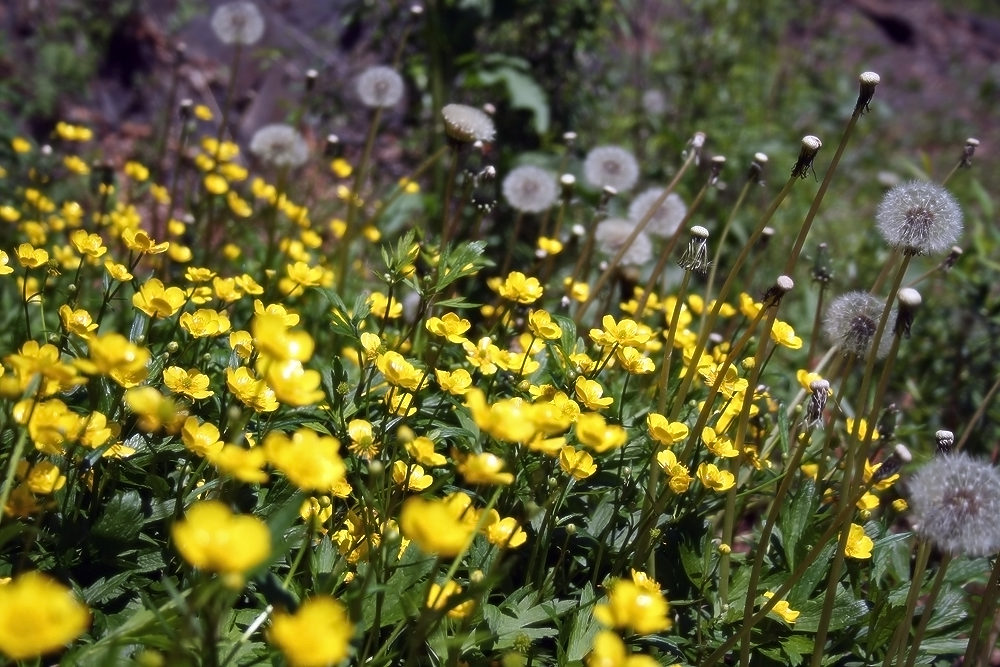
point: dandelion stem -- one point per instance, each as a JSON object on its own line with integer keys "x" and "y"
{"x": 925, "y": 617}
{"x": 987, "y": 609}
{"x": 722, "y": 239}
{"x": 898, "y": 645}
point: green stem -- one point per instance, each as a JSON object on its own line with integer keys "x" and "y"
{"x": 925, "y": 617}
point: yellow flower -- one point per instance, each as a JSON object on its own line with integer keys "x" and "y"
{"x": 30, "y": 257}
{"x": 137, "y": 171}
{"x": 483, "y": 355}
{"x": 73, "y": 132}
{"x": 215, "y": 184}
{"x": 549, "y": 246}
{"x": 304, "y": 275}
{"x": 202, "y": 439}
{"x": 596, "y": 434}
{"x": 383, "y": 308}
{"x": 38, "y": 615}
{"x": 519, "y": 288}
{"x": 718, "y": 444}
{"x": 191, "y": 383}
{"x": 862, "y": 429}
{"x": 20, "y": 145}
{"x": 77, "y": 322}
{"x": 664, "y": 432}
{"x": 398, "y": 371}
{"x": 715, "y": 479}
{"x": 438, "y": 598}
{"x": 362, "y": 438}
{"x": 309, "y": 460}
{"x": 44, "y": 478}
{"x": 484, "y": 468}
{"x": 244, "y": 464}
{"x": 250, "y": 391}
{"x": 212, "y": 538}
{"x": 591, "y": 394}
{"x": 634, "y": 361}
{"x": 806, "y": 378}
{"x": 411, "y": 478}
{"x": 202, "y": 112}
{"x": 456, "y": 382}
{"x": 626, "y": 332}
{"x": 158, "y": 301}
{"x": 91, "y": 245}
{"x": 680, "y": 476}
{"x": 292, "y": 384}
{"x": 635, "y": 608}
{"x": 422, "y": 449}
{"x": 117, "y": 271}
{"x": 782, "y": 609}
{"x": 317, "y": 635}
{"x": 541, "y": 324}
{"x": 155, "y": 410}
{"x": 115, "y": 356}
{"x": 859, "y": 545}
{"x": 139, "y": 241}
{"x": 275, "y": 342}
{"x": 882, "y": 485}
{"x": 610, "y": 651}
{"x": 341, "y": 167}
{"x": 450, "y": 326}
{"x": 316, "y": 511}
{"x": 577, "y": 463}
{"x": 75, "y": 164}
{"x": 782, "y": 333}
{"x": 505, "y": 533}
{"x": 438, "y": 526}
{"x": 5, "y": 267}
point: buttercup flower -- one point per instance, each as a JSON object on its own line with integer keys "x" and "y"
{"x": 530, "y": 189}
{"x": 38, "y": 615}
{"x": 577, "y": 463}
{"x": 715, "y": 479}
{"x": 520, "y": 288}
{"x": 484, "y": 468}
{"x": 955, "y": 500}
{"x": 438, "y": 597}
{"x": 859, "y": 545}
{"x": 611, "y": 166}
{"x": 634, "y": 607}
{"x": 665, "y": 219}
{"x": 238, "y": 23}
{"x": 210, "y": 537}
{"x": 310, "y": 461}
{"x": 787, "y": 614}
{"x": 919, "y": 218}
{"x": 610, "y": 651}
{"x": 318, "y": 634}
{"x": 379, "y": 86}
{"x": 438, "y": 526}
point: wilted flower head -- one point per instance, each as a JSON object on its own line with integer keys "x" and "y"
{"x": 852, "y": 321}
{"x": 465, "y": 123}
{"x": 919, "y": 218}
{"x": 238, "y": 22}
{"x": 530, "y": 189}
{"x": 611, "y": 235}
{"x": 279, "y": 145}
{"x": 956, "y": 501}
{"x": 380, "y": 86}
{"x": 667, "y": 216}
{"x": 611, "y": 166}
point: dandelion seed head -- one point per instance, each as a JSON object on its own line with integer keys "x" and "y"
{"x": 955, "y": 501}
{"x": 852, "y": 321}
{"x": 238, "y": 22}
{"x": 530, "y": 189}
{"x": 919, "y": 218}
{"x": 611, "y": 235}
{"x": 379, "y": 87}
{"x": 280, "y": 145}
{"x": 465, "y": 123}
{"x": 654, "y": 102}
{"x": 665, "y": 219}
{"x": 611, "y": 166}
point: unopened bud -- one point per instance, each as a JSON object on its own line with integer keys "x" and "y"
{"x": 869, "y": 81}
{"x": 807, "y": 153}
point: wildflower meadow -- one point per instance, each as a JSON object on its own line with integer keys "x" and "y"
{"x": 421, "y": 367}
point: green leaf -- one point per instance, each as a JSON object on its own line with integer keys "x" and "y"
{"x": 584, "y": 627}
{"x": 121, "y": 519}
{"x": 794, "y": 518}
{"x": 523, "y": 90}
{"x": 795, "y": 647}
{"x": 891, "y": 556}
{"x": 846, "y": 612}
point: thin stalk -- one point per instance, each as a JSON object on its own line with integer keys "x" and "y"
{"x": 898, "y": 644}
{"x": 980, "y": 411}
{"x": 722, "y": 239}
{"x": 925, "y": 617}
{"x": 987, "y": 608}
